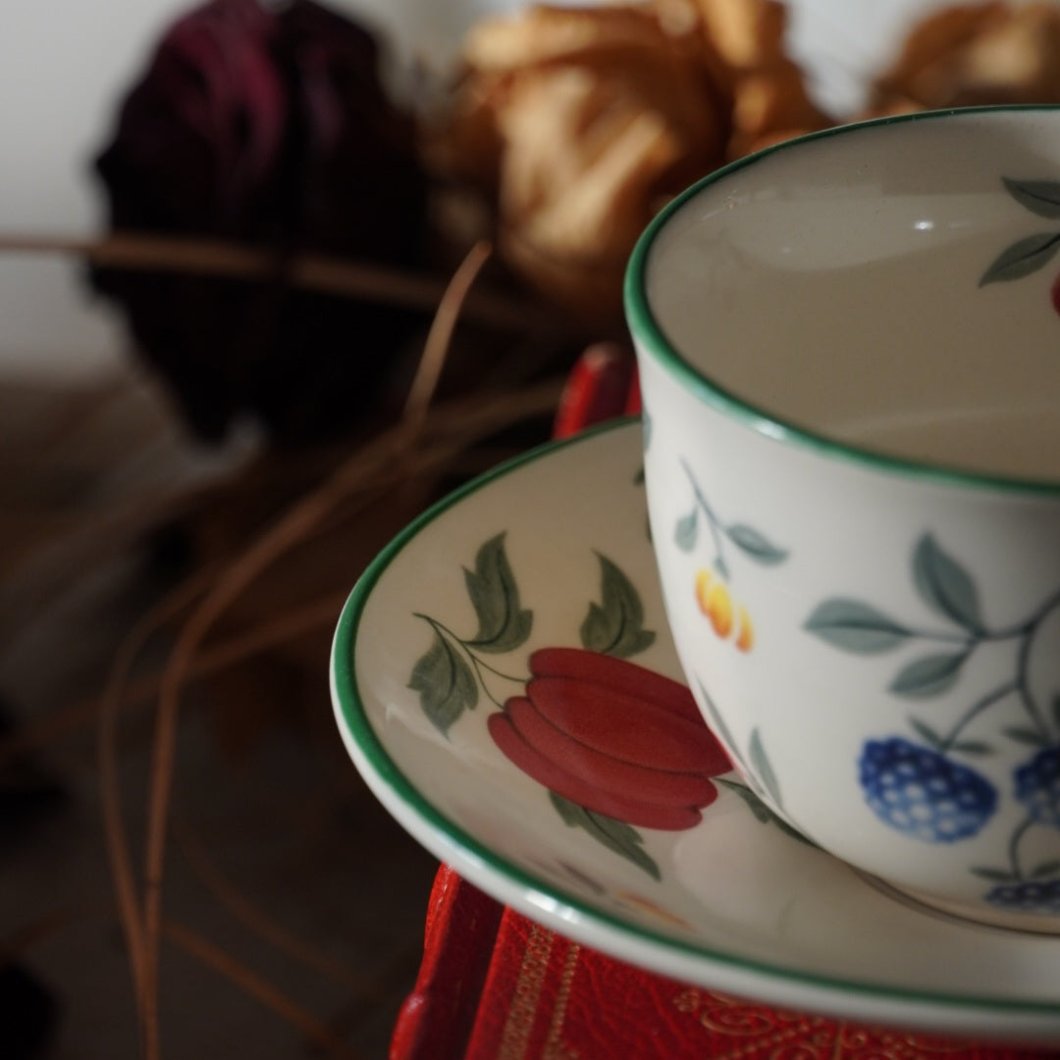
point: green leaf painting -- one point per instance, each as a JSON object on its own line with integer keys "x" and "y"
{"x": 1029, "y": 253}
{"x": 617, "y": 836}
{"x": 945, "y": 585}
{"x": 755, "y": 544}
{"x": 716, "y": 723}
{"x": 994, "y": 875}
{"x": 1045, "y": 869}
{"x": 1025, "y": 735}
{"x": 502, "y": 623}
{"x": 763, "y": 767}
{"x": 615, "y": 625}
{"x": 930, "y": 675}
{"x": 1021, "y": 258}
{"x": 762, "y": 813}
{"x": 444, "y": 682}
{"x": 856, "y": 626}
{"x": 1041, "y": 197}
{"x": 686, "y": 532}
{"x": 448, "y": 676}
{"x": 927, "y": 734}
{"x": 702, "y": 516}
{"x": 972, "y": 747}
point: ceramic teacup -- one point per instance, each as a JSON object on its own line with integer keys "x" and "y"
{"x": 849, "y": 349}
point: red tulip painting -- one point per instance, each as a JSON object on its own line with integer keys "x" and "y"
{"x": 615, "y": 746}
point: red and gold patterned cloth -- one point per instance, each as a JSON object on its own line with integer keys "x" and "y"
{"x": 496, "y": 986}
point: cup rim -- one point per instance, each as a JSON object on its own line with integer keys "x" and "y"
{"x": 646, "y": 328}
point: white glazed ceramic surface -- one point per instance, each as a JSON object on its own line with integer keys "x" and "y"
{"x": 893, "y": 287}
{"x": 549, "y": 559}
{"x": 878, "y": 639}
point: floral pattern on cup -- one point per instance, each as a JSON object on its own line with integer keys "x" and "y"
{"x": 1034, "y": 252}
{"x": 925, "y": 784}
{"x": 750, "y": 542}
{"x": 730, "y": 620}
{"x": 727, "y": 616}
{"x": 617, "y": 746}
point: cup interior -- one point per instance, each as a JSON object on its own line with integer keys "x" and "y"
{"x": 892, "y": 287}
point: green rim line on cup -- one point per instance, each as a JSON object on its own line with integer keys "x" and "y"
{"x": 647, "y": 329}
{"x": 350, "y": 703}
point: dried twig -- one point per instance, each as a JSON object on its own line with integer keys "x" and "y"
{"x": 440, "y": 338}
{"x": 130, "y": 914}
{"x": 46, "y": 572}
{"x": 252, "y": 984}
{"x": 24, "y": 938}
{"x": 503, "y": 408}
{"x": 339, "y": 276}
{"x": 377, "y": 458}
{"x": 250, "y": 915}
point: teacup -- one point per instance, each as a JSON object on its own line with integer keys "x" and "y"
{"x": 849, "y": 348}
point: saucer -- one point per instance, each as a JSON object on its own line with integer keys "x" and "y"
{"x": 519, "y": 623}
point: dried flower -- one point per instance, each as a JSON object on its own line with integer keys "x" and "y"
{"x": 770, "y": 101}
{"x": 271, "y": 128}
{"x": 580, "y": 123}
{"x": 976, "y": 53}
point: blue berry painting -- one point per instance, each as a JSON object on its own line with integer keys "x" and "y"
{"x": 921, "y": 792}
{"x": 927, "y": 782}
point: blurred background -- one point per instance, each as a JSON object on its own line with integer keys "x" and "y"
{"x": 225, "y": 232}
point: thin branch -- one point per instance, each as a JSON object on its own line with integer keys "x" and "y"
{"x": 116, "y": 837}
{"x": 97, "y": 536}
{"x": 256, "y": 920}
{"x": 15, "y": 944}
{"x": 476, "y": 417}
{"x": 384, "y": 452}
{"x": 440, "y": 337}
{"x": 139, "y": 252}
{"x": 252, "y": 984}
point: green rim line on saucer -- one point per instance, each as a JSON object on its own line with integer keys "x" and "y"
{"x": 645, "y": 325}
{"x": 543, "y": 900}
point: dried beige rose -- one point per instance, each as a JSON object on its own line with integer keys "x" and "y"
{"x": 976, "y": 53}
{"x": 581, "y": 122}
{"x": 770, "y": 99}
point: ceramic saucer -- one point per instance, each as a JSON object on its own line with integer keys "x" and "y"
{"x": 448, "y": 661}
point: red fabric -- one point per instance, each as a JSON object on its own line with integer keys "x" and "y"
{"x": 496, "y": 986}
{"x": 547, "y": 998}
{"x": 436, "y": 1019}
{"x": 600, "y": 385}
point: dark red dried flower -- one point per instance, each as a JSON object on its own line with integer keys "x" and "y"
{"x": 271, "y": 128}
